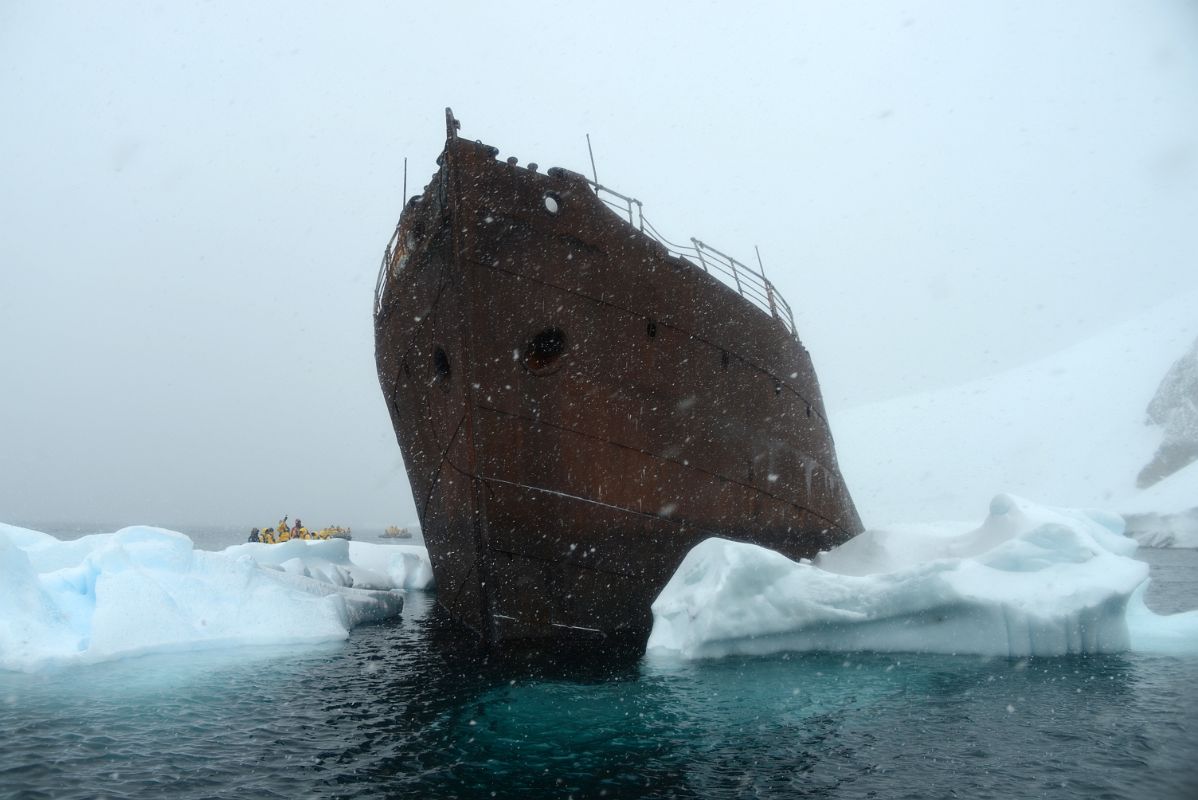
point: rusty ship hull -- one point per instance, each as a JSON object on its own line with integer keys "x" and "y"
{"x": 577, "y": 405}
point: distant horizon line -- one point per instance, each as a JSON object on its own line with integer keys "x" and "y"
{"x": 54, "y": 527}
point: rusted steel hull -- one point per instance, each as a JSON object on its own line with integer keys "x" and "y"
{"x": 577, "y": 408}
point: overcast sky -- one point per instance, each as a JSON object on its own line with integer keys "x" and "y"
{"x": 194, "y": 199}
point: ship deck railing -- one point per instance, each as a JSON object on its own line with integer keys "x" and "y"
{"x": 749, "y": 283}
{"x": 385, "y": 268}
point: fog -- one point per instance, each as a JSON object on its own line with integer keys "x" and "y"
{"x": 195, "y": 198}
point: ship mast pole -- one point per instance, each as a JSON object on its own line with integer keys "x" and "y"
{"x": 594, "y": 172}
{"x": 405, "y": 180}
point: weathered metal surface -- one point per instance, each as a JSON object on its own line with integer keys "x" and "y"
{"x": 577, "y": 408}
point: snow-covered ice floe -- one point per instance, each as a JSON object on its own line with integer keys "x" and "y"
{"x": 344, "y": 563}
{"x": 1031, "y": 580}
{"x": 144, "y": 590}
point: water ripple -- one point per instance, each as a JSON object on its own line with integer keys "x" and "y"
{"x": 407, "y": 709}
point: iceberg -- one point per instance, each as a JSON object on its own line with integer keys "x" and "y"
{"x": 1030, "y": 581}
{"x": 344, "y": 563}
{"x": 143, "y": 590}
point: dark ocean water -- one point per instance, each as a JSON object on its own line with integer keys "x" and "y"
{"x": 411, "y": 709}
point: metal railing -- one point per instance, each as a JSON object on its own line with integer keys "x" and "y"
{"x": 381, "y": 282}
{"x": 749, "y": 283}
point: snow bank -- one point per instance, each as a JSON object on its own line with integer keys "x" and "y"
{"x": 1070, "y": 426}
{"x": 1030, "y": 580}
{"x": 143, "y": 590}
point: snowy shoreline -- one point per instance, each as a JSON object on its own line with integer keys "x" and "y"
{"x": 1161, "y": 531}
{"x": 1070, "y": 428}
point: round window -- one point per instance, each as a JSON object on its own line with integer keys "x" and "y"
{"x": 543, "y": 352}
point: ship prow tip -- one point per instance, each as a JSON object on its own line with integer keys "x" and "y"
{"x": 451, "y": 124}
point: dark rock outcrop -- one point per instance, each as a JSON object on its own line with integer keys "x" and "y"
{"x": 1175, "y": 409}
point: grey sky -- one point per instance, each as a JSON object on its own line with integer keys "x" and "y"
{"x": 194, "y": 199}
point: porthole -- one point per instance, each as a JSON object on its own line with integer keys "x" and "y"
{"x": 724, "y": 359}
{"x": 543, "y": 352}
{"x": 651, "y": 329}
{"x": 441, "y": 368}
{"x": 552, "y": 204}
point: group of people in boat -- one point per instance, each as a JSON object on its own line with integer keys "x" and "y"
{"x": 285, "y": 533}
{"x": 396, "y": 532}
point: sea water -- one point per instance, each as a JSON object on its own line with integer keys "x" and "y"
{"x": 412, "y": 709}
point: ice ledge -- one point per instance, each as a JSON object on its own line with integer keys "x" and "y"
{"x": 144, "y": 590}
{"x": 1030, "y": 581}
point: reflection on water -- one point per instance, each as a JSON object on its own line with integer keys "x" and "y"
{"x": 411, "y": 708}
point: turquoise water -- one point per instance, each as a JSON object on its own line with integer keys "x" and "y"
{"x": 410, "y": 709}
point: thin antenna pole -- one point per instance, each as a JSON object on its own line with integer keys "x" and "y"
{"x": 405, "y": 180}
{"x": 594, "y": 172}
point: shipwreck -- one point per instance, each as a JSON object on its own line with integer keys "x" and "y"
{"x": 578, "y": 401}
